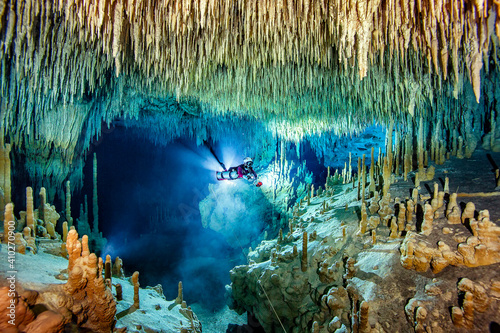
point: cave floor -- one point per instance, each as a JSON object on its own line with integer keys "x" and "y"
{"x": 466, "y": 176}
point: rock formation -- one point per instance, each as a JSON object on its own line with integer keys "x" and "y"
{"x": 419, "y": 244}
{"x": 83, "y": 300}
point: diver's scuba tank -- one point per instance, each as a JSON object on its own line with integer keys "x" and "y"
{"x": 228, "y": 174}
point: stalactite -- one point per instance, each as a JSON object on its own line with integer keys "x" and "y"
{"x": 93, "y": 38}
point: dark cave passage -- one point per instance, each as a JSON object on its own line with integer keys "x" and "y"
{"x": 148, "y": 211}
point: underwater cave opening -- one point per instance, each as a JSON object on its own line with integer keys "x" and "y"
{"x": 148, "y": 197}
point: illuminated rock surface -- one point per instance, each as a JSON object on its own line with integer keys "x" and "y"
{"x": 372, "y": 280}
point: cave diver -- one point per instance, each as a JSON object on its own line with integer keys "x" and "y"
{"x": 244, "y": 170}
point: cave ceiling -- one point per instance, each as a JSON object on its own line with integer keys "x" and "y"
{"x": 299, "y": 67}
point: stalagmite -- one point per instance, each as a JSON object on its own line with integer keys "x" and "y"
{"x": 135, "y": 282}
{"x": 428, "y": 219}
{"x": 2, "y": 178}
{"x": 73, "y": 247}
{"x": 43, "y": 201}
{"x": 51, "y": 230}
{"x": 107, "y": 268}
{"x": 65, "y": 231}
{"x": 179, "y": 298}
{"x": 394, "y": 228}
{"x": 414, "y": 195}
{"x": 30, "y": 240}
{"x": 464, "y": 317}
{"x": 363, "y": 181}
{"x": 20, "y": 243}
{"x": 364, "y": 220}
{"x": 30, "y": 218}
{"x": 386, "y": 175}
{"x": 118, "y": 267}
{"x": 420, "y": 147}
{"x": 68, "y": 204}
{"x": 119, "y": 292}
{"x": 5, "y": 175}
{"x": 85, "y": 246}
{"x": 374, "y": 205}
{"x": 401, "y": 217}
{"x": 468, "y": 212}
{"x": 410, "y": 208}
{"x": 360, "y": 175}
{"x": 452, "y": 203}
{"x": 303, "y": 261}
{"x": 350, "y": 169}
{"x": 364, "y": 325}
{"x": 95, "y": 207}
{"x": 328, "y": 176}
{"x": 8, "y": 222}
{"x": 87, "y": 289}
{"x": 371, "y": 188}
{"x": 420, "y": 317}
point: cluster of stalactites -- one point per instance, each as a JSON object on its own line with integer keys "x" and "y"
{"x": 302, "y": 67}
{"x": 68, "y": 48}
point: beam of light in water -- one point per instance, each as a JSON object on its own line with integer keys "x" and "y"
{"x": 149, "y": 200}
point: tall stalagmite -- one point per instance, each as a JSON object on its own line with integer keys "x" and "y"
{"x": 68, "y": 204}
{"x": 95, "y": 207}
{"x": 5, "y": 185}
{"x": 30, "y": 217}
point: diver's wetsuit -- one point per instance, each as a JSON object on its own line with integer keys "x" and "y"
{"x": 243, "y": 170}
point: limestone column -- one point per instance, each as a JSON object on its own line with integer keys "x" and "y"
{"x": 95, "y": 208}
